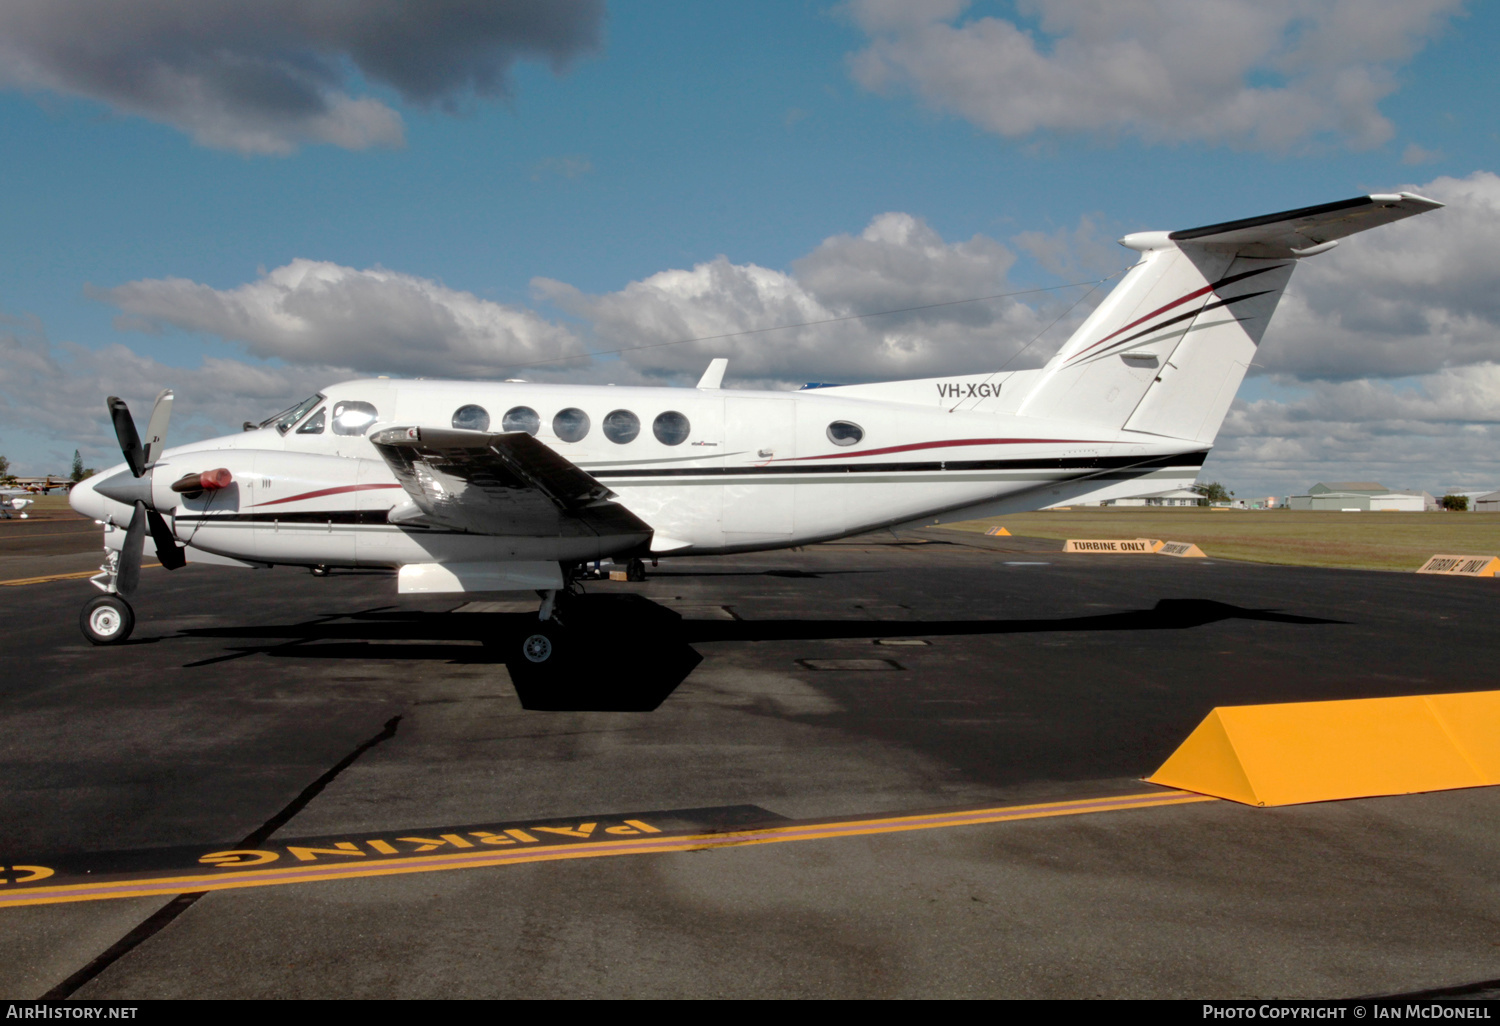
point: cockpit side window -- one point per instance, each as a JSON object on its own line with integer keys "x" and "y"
{"x": 351, "y": 417}
{"x": 314, "y": 424}
{"x": 284, "y": 420}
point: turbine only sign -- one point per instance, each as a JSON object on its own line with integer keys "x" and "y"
{"x": 1137, "y": 545}
{"x": 1462, "y": 566}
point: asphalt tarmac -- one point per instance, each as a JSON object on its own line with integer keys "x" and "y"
{"x": 787, "y": 694}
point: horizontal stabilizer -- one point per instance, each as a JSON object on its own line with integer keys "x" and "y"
{"x": 1293, "y": 233}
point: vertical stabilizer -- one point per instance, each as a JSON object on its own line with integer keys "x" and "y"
{"x": 1166, "y": 351}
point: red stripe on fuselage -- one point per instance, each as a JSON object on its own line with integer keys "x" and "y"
{"x": 324, "y": 491}
{"x": 953, "y": 443}
{"x": 1177, "y": 302}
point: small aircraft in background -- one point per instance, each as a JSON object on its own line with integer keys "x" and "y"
{"x": 479, "y": 486}
{"x": 14, "y": 500}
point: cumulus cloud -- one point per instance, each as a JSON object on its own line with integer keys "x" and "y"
{"x": 1084, "y": 251}
{"x": 269, "y": 76}
{"x": 1410, "y": 298}
{"x": 57, "y": 390}
{"x": 377, "y": 321}
{"x": 897, "y": 262}
{"x": 382, "y": 321}
{"x": 1435, "y": 431}
{"x": 1262, "y": 74}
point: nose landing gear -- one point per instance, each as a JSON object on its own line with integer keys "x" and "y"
{"x": 107, "y": 620}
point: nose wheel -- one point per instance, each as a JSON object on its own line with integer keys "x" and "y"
{"x": 107, "y": 620}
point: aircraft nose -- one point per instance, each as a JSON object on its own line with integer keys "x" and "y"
{"x": 84, "y": 499}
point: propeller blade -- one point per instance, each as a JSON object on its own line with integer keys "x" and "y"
{"x": 130, "y": 442}
{"x": 129, "y": 573}
{"x": 167, "y": 549}
{"x": 156, "y": 427}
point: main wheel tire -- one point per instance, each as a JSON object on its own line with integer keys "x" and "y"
{"x": 540, "y": 647}
{"x": 107, "y": 620}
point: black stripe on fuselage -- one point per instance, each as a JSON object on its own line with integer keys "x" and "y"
{"x": 1187, "y": 459}
{"x": 1123, "y": 467}
{"x": 315, "y": 517}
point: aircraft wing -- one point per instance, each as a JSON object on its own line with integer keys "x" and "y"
{"x": 500, "y": 484}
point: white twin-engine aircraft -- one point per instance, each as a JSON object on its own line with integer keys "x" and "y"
{"x": 478, "y": 486}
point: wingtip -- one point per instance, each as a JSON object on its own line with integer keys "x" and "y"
{"x": 1405, "y": 199}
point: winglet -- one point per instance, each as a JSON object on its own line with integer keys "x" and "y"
{"x": 714, "y": 376}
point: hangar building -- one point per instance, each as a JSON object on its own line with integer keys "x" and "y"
{"x": 1338, "y": 496}
{"x": 1173, "y": 497}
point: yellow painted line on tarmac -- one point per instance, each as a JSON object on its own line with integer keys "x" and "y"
{"x": 160, "y": 886}
{"x": 61, "y": 577}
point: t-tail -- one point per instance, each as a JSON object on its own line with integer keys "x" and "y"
{"x": 1166, "y": 351}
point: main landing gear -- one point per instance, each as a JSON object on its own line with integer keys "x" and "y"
{"x": 107, "y": 620}
{"x": 543, "y": 646}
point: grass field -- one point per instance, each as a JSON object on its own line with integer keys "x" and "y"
{"x": 1369, "y": 541}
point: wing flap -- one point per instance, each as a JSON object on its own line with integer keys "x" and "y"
{"x": 501, "y": 484}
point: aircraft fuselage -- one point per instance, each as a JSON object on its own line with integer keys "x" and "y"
{"x": 709, "y": 470}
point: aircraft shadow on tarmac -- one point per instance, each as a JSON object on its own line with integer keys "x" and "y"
{"x": 800, "y": 574}
{"x": 636, "y": 652}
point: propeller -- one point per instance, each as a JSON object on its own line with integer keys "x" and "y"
{"x": 134, "y": 488}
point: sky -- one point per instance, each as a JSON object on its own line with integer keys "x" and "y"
{"x": 246, "y": 203}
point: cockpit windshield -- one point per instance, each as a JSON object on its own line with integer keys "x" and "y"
{"x": 283, "y": 421}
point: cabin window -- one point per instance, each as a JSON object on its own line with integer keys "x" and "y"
{"x": 471, "y": 418}
{"x": 570, "y": 425}
{"x": 621, "y": 426}
{"x": 671, "y": 428}
{"x": 286, "y": 418}
{"x": 353, "y": 418}
{"x": 521, "y": 418}
{"x": 843, "y": 432}
{"x": 314, "y": 424}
